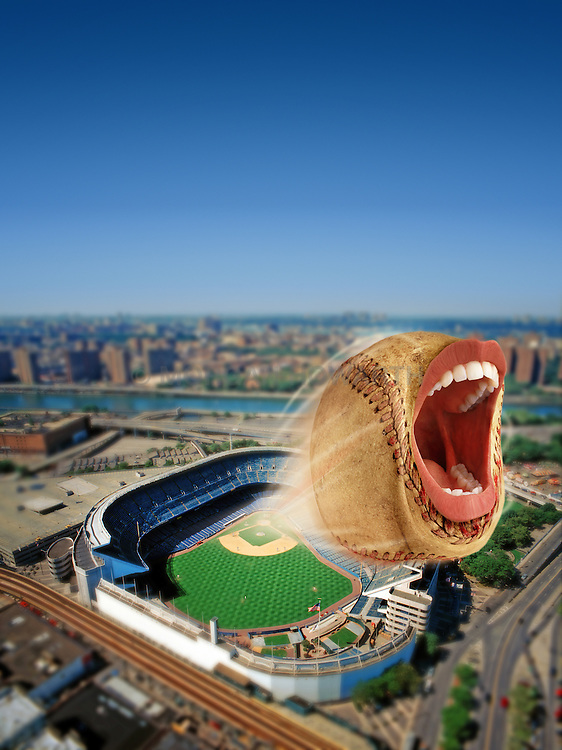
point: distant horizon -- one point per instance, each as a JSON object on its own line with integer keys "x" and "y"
{"x": 379, "y": 317}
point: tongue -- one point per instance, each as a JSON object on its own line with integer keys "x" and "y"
{"x": 439, "y": 474}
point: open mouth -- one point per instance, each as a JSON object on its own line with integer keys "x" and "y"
{"x": 453, "y": 428}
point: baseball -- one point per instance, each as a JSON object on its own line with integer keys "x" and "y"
{"x": 405, "y": 448}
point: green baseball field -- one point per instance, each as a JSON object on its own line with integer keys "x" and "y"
{"x": 256, "y": 574}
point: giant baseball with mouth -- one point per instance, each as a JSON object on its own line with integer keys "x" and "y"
{"x": 406, "y": 451}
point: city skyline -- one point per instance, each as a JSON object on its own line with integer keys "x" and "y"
{"x": 249, "y": 158}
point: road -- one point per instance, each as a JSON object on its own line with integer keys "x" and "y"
{"x": 199, "y": 687}
{"x": 537, "y": 496}
{"x": 503, "y": 639}
{"x": 194, "y": 429}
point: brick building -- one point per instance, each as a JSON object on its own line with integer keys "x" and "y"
{"x": 41, "y": 434}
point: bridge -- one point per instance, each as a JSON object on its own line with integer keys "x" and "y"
{"x": 190, "y": 429}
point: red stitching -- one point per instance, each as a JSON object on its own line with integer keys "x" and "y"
{"x": 366, "y": 376}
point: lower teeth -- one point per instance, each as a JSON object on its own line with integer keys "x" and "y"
{"x": 469, "y": 485}
{"x": 475, "y": 491}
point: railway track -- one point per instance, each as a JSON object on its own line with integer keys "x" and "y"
{"x": 249, "y": 715}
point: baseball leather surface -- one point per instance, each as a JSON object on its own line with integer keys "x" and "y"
{"x": 405, "y": 448}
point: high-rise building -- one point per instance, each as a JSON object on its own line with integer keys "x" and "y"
{"x": 527, "y": 364}
{"x": 209, "y": 325}
{"x": 5, "y": 366}
{"x": 508, "y": 345}
{"x": 118, "y": 363}
{"x": 159, "y": 360}
{"x": 407, "y": 607}
{"x": 26, "y": 365}
{"x": 83, "y": 366}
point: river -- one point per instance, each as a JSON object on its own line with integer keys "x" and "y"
{"x": 141, "y": 402}
{"x": 138, "y": 402}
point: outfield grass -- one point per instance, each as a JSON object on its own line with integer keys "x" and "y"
{"x": 343, "y": 637}
{"x": 277, "y": 640}
{"x": 247, "y": 592}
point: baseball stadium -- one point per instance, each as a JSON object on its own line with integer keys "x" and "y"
{"x": 221, "y": 563}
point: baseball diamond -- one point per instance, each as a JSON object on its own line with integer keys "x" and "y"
{"x": 269, "y": 583}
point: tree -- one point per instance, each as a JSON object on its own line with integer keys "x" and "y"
{"x": 554, "y": 449}
{"x": 522, "y": 706}
{"x": 503, "y": 537}
{"x": 7, "y": 466}
{"x": 451, "y": 743}
{"x": 548, "y": 514}
{"x": 520, "y": 448}
{"x": 528, "y": 517}
{"x": 521, "y": 536}
{"x": 467, "y": 675}
{"x": 361, "y": 694}
{"x": 462, "y": 695}
{"x": 456, "y": 722}
{"x": 401, "y": 679}
{"x": 493, "y": 568}
{"x": 427, "y": 645}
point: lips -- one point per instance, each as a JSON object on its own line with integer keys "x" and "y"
{"x": 453, "y": 418}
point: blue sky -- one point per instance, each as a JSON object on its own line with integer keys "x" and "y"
{"x": 241, "y": 157}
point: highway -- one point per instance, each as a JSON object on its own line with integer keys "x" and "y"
{"x": 503, "y": 645}
{"x": 194, "y": 429}
{"x": 199, "y": 687}
{"x": 504, "y": 629}
{"x": 535, "y": 496}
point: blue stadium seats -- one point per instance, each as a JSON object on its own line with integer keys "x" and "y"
{"x": 373, "y": 610}
{"x": 339, "y": 557}
{"x": 359, "y": 605}
{"x": 173, "y": 513}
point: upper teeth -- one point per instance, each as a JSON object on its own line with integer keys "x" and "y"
{"x": 483, "y": 371}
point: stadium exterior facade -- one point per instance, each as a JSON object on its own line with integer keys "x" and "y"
{"x": 126, "y": 532}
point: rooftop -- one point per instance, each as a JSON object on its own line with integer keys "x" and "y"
{"x": 16, "y": 712}
{"x": 413, "y": 596}
{"x": 35, "y": 422}
{"x": 22, "y": 521}
{"x": 33, "y": 649}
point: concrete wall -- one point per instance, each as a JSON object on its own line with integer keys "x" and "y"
{"x": 198, "y": 650}
{"x": 87, "y": 581}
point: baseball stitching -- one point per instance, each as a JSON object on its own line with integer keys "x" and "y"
{"x": 368, "y": 378}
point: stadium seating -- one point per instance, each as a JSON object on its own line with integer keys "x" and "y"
{"x": 340, "y": 558}
{"x": 359, "y": 605}
{"x": 191, "y": 528}
{"x": 192, "y": 495}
